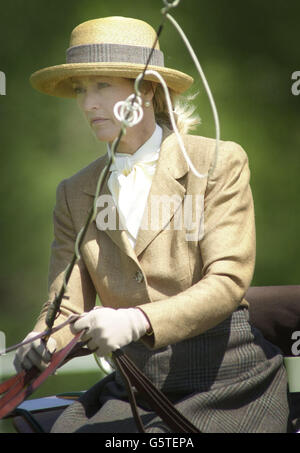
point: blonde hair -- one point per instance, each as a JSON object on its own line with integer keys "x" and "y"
{"x": 184, "y": 111}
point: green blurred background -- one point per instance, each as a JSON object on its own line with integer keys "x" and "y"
{"x": 248, "y": 51}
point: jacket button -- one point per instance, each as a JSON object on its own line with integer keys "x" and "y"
{"x": 138, "y": 276}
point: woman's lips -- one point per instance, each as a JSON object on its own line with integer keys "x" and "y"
{"x": 98, "y": 120}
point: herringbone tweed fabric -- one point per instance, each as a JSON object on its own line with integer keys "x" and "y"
{"x": 228, "y": 380}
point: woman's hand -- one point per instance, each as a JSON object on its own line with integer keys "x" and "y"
{"x": 36, "y": 353}
{"x": 109, "y": 329}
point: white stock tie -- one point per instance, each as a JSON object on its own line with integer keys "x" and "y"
{"x": 130, "y": 182}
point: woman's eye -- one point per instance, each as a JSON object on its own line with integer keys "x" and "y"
{"x": 102, "y": 85}
{"x": 77, "y": 90}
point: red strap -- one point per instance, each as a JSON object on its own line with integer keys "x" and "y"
{"x": 6, "y": 385}
{"x": 19, "y": 382}
{"x": 24, "y": 384}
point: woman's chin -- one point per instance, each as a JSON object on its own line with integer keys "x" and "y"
{"x": 104, "y": 136}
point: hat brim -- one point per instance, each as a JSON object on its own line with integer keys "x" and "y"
{"x": 55, "y": 80}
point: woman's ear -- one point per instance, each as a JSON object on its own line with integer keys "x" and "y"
{"x": 148, "y": 90}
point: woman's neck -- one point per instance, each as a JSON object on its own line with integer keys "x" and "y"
{"x": 136, "y": 136}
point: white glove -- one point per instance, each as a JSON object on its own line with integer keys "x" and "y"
{"x": 109, "y": 329}
{"x": 34, "y": 353}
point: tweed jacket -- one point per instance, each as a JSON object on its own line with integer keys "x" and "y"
{"x": 185, "y": 284}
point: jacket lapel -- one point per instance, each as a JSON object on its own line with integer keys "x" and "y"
{"x": 166, "y": 193}
{"x": 107, "y": 212}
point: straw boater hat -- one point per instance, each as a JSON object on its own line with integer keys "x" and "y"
{"x": 111, "y": 46}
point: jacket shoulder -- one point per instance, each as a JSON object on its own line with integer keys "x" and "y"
{"x": 204, "y": 150}
{"x": 208, "y": 143}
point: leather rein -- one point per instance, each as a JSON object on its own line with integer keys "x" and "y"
{"x": 19, "y": 387}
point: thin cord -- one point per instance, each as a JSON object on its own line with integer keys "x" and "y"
{"x": 130, "y": 111}
{"x": 173, "y": 122}
{"x": 205, "y": 83}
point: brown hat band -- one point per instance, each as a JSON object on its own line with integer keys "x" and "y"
{"x": 105, "y": 53}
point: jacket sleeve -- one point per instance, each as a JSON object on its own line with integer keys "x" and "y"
{"x": 227, "y": 250}
{"x": 80, "y": 294}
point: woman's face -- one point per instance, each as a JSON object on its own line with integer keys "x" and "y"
{"x": 97, "y": 96}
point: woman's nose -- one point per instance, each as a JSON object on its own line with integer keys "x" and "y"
{"x": 90, "y": 101}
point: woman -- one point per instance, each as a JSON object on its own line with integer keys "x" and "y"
{"x": 172, "y": 292}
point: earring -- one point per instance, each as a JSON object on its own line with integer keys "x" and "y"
{"x": 147, "y": 103}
